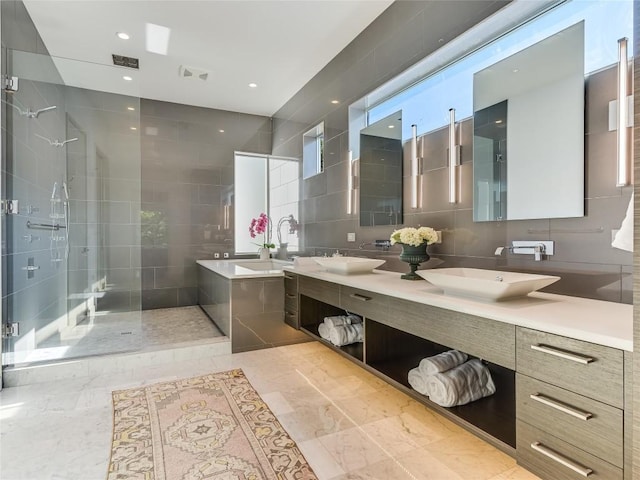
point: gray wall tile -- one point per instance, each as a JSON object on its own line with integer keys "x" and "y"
{"x": 404, "y": 33}
{"x": 186, "y": 169}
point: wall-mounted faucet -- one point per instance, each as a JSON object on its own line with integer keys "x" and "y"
{"x": 383, "y": 244}
{"x": 529, "y": 247}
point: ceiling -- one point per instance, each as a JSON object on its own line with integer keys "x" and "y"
{"x": 278, "y": 45}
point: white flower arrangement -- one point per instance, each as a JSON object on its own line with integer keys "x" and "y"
{"x": 414, "y": 236}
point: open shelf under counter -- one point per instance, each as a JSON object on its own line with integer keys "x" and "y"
{"x": 312, "y": 313}
{"x": 393, "y": 353}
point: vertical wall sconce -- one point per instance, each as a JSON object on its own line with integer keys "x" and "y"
{"x": 226, "y": 218}
{"x": 624, "y": 157}
{"x": 351, "y": 185}
{"x": 415, "y": 169}
{"x": 454, "y": 157}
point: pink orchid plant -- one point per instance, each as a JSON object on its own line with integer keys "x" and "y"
{"x": 262, "y": 225}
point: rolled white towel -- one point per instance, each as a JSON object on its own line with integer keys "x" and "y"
{"x": 465, "y": 383}
{"x": 417, "y": 381}
{"x": 442, "y": 362}
{"x": 345, "y": 334}
{"x": 323, "y": 331}
{"x": 338, "y": 320}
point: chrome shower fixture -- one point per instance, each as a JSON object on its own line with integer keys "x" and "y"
{"x": 30, "y": 113}
{"x": 56, "y": 142}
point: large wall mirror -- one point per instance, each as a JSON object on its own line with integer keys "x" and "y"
{"x": 528, "y": 143}
{"x": 380, "y": 172}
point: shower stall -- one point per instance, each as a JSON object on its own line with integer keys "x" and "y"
{"x": 70, "y": 209}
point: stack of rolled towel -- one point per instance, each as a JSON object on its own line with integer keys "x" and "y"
{"x": 448, "y": 379}
{"x": 341, "y": 329}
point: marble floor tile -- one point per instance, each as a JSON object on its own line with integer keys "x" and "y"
{"x": 324, "y": 465}
{"x": 348, "y": 423}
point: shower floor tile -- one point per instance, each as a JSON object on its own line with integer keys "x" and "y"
{"x": 119, "y": 332}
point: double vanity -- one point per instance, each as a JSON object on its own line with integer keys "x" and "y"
{"x": 561, "y": 365}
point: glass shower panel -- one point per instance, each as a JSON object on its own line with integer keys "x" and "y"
{"x": 72, "y": 161}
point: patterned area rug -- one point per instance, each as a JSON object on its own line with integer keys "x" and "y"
{"x": 210, "y": 427}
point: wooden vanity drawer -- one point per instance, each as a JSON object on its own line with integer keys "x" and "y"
{"x": 588, "y": 424}
{"x": 592, "y": 370}
{"x": 290, "y": 282}
{"x": 487, "y": 339}
{"x": 552, "y": 459}
{"x": 363, "y": 302}
{"x": 326, "y": 292}
{"x": 291, "y": 318}
{"x": 290, "y": 300}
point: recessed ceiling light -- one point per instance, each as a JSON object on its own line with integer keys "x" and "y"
{"x": 157, "y": 38}
{"x": 515, "y": 70}
{"x": 335, "y": 102}
{"x": 253, "y": 85}
{"x": 127, "y": 78}
{"x": 131, "y": 109}
{"x": 221, "y": 131}
{"x": 133, "y": 128}
{"x": 123, "y": 36}
{"x": 392, "y": 126}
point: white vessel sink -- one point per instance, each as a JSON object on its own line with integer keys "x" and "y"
{"x": 486, "y": 284}
{"x": 349, "y": 265}
{"x": 263, "y": 265}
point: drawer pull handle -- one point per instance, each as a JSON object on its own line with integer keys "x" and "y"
{"x": 562, "y": 460}
{"x": 288, "y": 277}
{"x": 289, "y": 314}
{"x": 290, "y": 295}
{"x": 574, "y": 412}
{"x": 574, "y": 357}
{"x": 357, "y": 296}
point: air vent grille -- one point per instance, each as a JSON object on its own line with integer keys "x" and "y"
{"x": 122, "y": 61}
{"x": 193, "y": 73}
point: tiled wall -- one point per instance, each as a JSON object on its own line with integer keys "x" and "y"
{"x": 30, "y": 168}
{"x": 187, "y": 184}
{"x": 103, "y": 175}
{"x": 403, "y": 34}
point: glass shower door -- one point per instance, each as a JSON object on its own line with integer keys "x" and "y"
{"x": 72, "y": 162}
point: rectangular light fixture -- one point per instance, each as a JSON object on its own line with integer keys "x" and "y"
{"x": 350, "y": 183}
{"x": 624, "y": 162}
{"x": 157, "y": 38}
{"x": 415, "y": 168}
{"x": 454, "y": 158}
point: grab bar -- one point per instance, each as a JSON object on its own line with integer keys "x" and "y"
{"x": 44, "y": 226}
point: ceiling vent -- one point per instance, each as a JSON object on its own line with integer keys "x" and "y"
{"x": 193, "y": 73}
{"x": 122, "y": 61}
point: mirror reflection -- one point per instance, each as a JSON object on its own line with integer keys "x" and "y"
{"x": 380, "y": 172}
{"x": 528, "y": 145}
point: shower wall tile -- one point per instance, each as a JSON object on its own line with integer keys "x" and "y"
{"x": 187, "y": 176}
{"x": 159, "y": 298}
{"x": 187, "y": 296}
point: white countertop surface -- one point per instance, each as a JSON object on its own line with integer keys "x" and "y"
{"x": 234, "y": 269}
{"x": 596, "y": 321}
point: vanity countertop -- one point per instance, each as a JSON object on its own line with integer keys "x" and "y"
{"x": 238, "y": 268}
{"x": 596, "y": 321}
